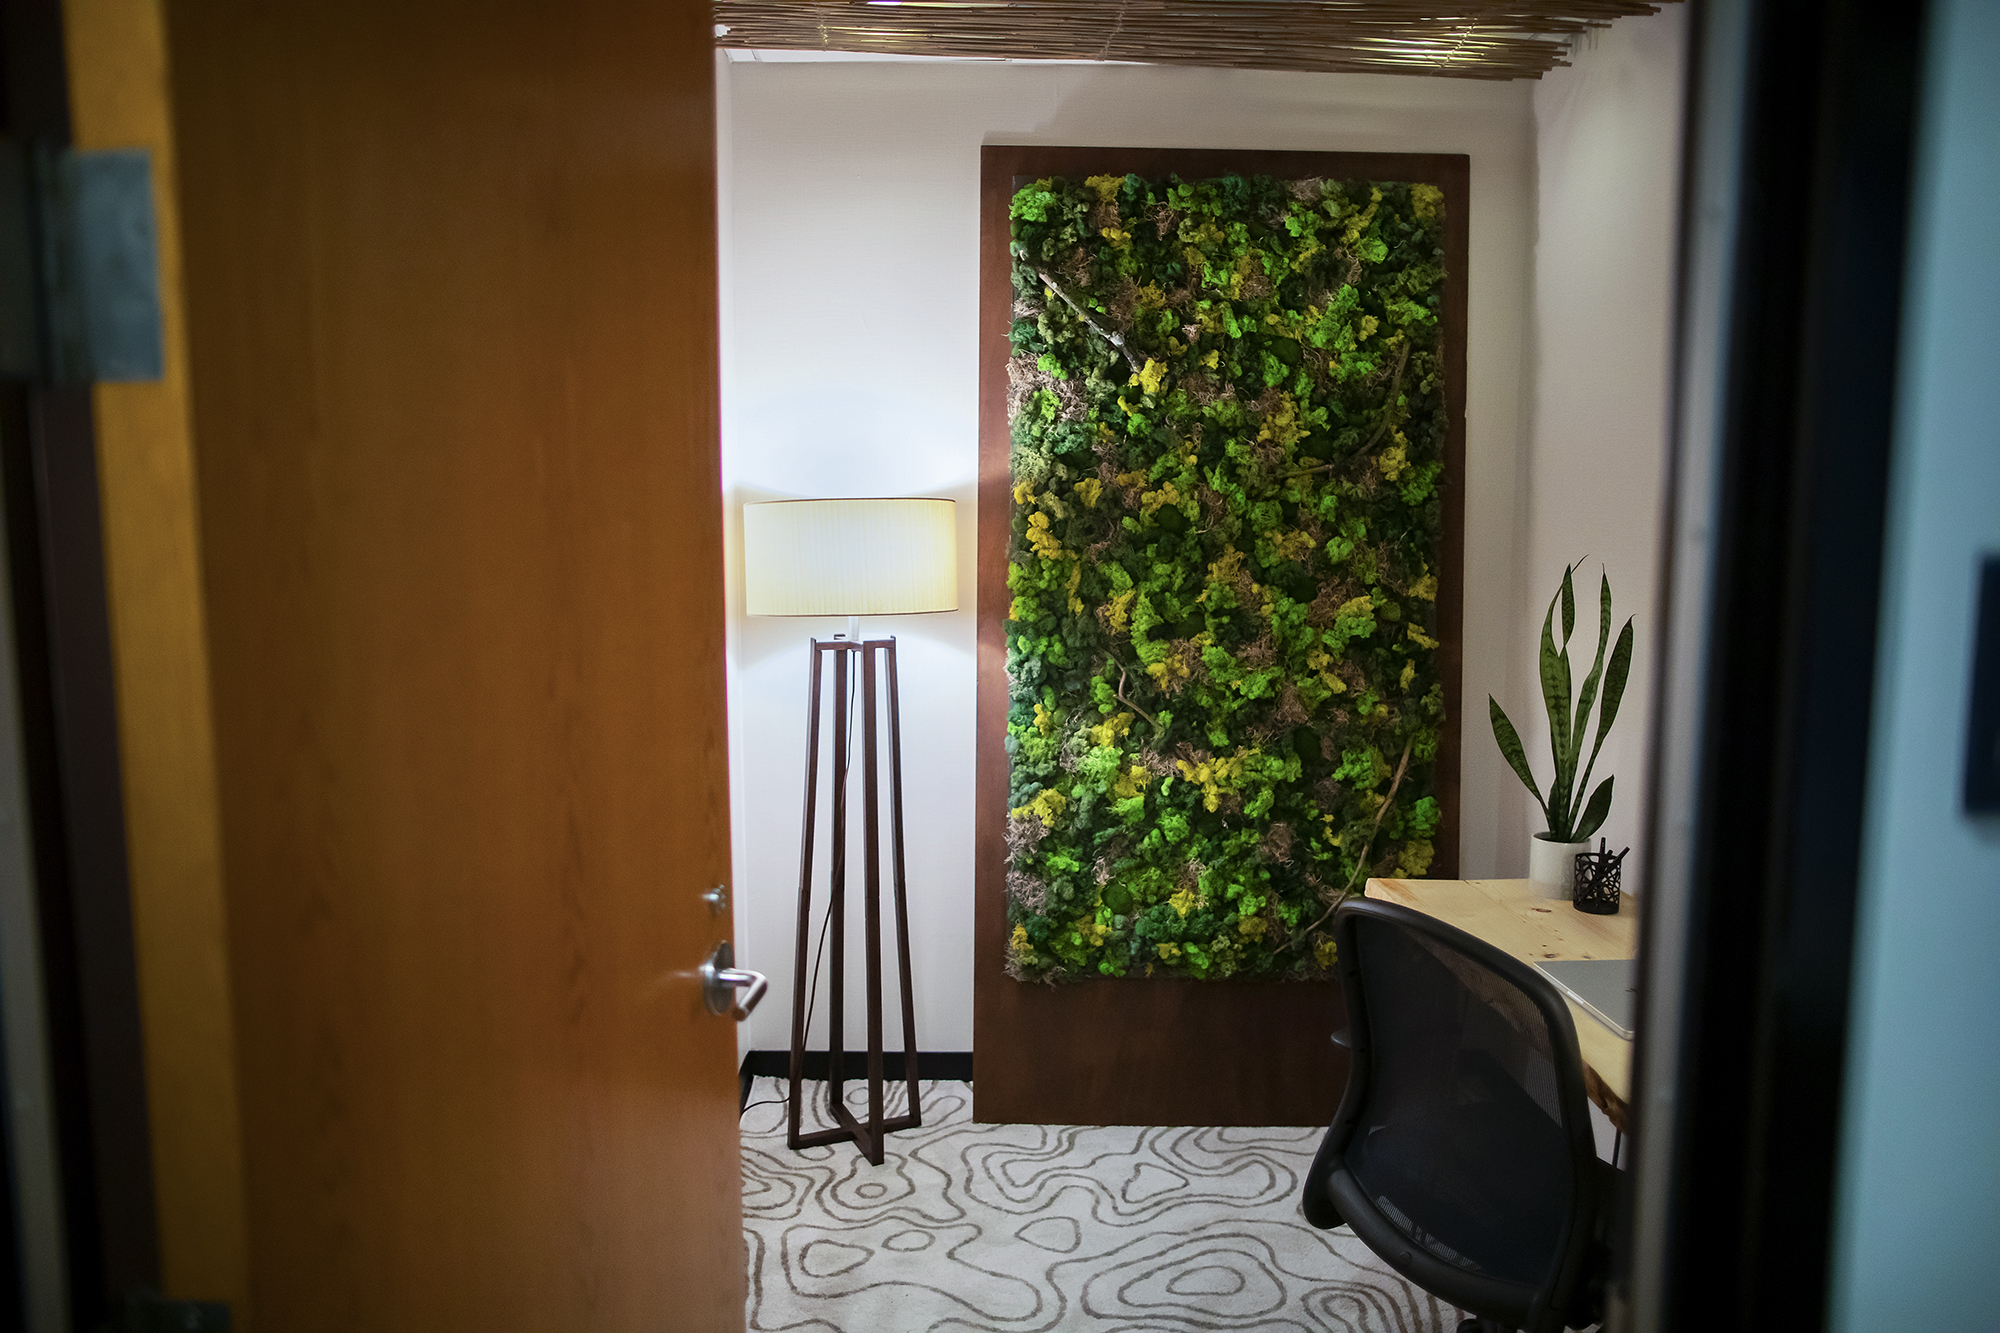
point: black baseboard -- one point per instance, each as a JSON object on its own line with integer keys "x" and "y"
{"x": 955, "y": 1066}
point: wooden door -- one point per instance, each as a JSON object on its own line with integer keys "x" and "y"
{"x": 450, "y": 298}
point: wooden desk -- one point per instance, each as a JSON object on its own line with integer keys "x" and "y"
{"x": 1507, "y": 913}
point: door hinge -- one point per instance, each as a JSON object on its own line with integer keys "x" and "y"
{"x": 79, "y": 265}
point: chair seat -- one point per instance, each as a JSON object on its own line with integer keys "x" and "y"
{"x": 1485, "y": 1205}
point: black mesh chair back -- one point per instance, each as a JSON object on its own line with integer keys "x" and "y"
{"x": 1462, "y": 1151}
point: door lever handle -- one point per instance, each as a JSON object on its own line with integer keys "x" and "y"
{"x": 721, "y": 979}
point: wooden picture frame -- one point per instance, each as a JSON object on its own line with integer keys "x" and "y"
{"x": 1168, "y": 1051}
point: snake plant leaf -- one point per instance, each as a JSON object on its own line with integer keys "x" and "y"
{"x": 1594, "y": 813}
{"x": 1614, "y": 687}
{"x": 1569, "y": 607}
{"x": 1589, "y": 695}
{"x": 1510, "y": 747}
{"x": 1556, "y": 697}
{"x": 1614, "y": 693}
{"x": 1614, "y": 681}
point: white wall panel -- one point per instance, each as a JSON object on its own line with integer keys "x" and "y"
{"x": 1607, "y": 148}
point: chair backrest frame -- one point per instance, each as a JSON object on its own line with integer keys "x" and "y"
{"x": 1543, "y": 1308}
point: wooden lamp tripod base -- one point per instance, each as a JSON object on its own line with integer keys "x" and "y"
{"x": 867, "y": 1136}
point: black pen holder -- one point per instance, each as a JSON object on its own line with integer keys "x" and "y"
{"x": 1599, "y": 878}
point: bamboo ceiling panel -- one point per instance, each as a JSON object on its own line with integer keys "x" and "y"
{"x": 1474, "y": 39}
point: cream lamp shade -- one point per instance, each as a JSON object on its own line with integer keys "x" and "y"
{"x": 850, "y": 557}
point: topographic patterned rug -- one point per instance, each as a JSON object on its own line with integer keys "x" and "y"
{"x": 1033, "y": 1228}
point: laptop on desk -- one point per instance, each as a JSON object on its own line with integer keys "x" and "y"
{"x": 1607, "y": 988}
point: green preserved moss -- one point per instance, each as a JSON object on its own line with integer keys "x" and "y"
{"x": 1228, "y": 421}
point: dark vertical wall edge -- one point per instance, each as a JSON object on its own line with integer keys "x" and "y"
{"x": 1803, "y": 466}
{"x": 56, "y": 568}
{"x": 90, "y": 794}
{"x": 13, "y": 427}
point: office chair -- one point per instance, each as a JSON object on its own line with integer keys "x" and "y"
{"x": 1462, "y": 1151}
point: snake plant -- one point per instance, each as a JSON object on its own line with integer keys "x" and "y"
{"x": 1570, "y": 819}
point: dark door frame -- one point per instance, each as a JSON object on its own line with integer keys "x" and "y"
{"x": 54, "y": 551}
{"x": 1800, "y": 131}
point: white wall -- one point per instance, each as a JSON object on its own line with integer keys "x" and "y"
{"x": 849, "y": 368}
{"x": 1918, "y": 1211}
{"x": 1607, "y": 149}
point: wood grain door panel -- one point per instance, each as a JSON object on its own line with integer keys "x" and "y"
{"x": 451, "y": 312}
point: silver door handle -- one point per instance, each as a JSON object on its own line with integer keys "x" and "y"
{"x": 721, "y": 979}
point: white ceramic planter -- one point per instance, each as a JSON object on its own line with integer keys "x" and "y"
{"x": 1552, "y": 865}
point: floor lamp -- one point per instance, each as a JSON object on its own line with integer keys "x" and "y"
{"x": 852, "y": 558}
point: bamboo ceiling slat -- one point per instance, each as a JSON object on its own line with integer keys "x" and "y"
{"x": 1478, "y": 39}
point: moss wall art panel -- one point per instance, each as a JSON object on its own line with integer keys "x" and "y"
{"x": 1228, "y": 439}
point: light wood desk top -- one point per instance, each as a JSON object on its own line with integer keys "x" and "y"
{"x": 1507, "y": 914}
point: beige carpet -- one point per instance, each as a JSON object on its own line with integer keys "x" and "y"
{"x": 1027, "y": 1228}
